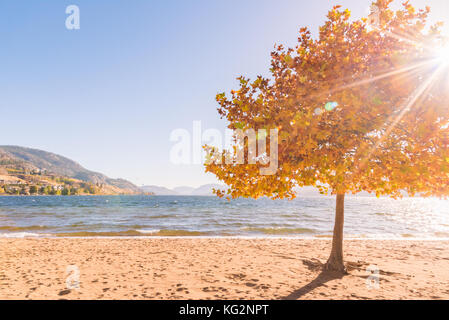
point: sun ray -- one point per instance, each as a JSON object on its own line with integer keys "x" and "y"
{"x": 401, "y": 38}
{"x": 416, "y": 95}
{"x": 385, "y": 75}
{"x": 405, "y": 70}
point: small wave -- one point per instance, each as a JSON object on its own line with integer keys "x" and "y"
{"x": 159, "y": 216}
{"x": 280, "y": 230}
{"x": 407, "y": 235}
{"x": 28, "y": 228}
{"x": 129, "y": 233}
{"x": 162, "y": 216}
{"x": 20, "y": 235}
{"x": 179, "y": 233}
{"x": 144, "y": 231}
{"x": 133, "y": 233}
{"x": 291, "y": 215}
{"x": 77, "y": 224}
{"x": 383, "y": 214}
{"x": 442, "y": 234}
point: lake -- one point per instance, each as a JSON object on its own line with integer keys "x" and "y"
{"x": 92, "y": 216}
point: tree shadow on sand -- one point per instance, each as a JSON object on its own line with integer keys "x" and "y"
{"x": 324, "y": 277}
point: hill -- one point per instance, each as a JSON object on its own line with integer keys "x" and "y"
{"x": 22, "y": 168}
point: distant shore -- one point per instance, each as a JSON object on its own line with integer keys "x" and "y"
{"x": 71, "y": 195}
{"x": 218, "y": 268}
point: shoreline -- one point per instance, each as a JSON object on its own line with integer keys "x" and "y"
{"x": 318, "y": 238}
{"x": 219, "y": 268}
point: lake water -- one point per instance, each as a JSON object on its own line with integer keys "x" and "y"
{"x": 84, "y": 216}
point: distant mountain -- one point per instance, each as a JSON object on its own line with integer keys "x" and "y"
{"x": 160, "y": 191}
{"x": 204, "y": 190}
{"x": 42, "y": 167}
{"x": 184, "y": 190}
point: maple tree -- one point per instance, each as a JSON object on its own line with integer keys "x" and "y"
{"x": 362, "y": 107}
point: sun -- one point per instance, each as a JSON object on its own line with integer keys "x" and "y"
{"x": 443, "y": 55}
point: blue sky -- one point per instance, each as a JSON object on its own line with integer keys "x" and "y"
{"x": 109, "y": 94}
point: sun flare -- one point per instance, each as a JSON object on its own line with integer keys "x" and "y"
{"x": 443, "y": 55}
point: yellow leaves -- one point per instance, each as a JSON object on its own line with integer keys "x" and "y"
{"x": 410, "y": 9}
{"x": 298, "y": 116}
{"x": 323, "y": 66}
{"x": 377, "y": 100}
{"x": 288, "y": 60}
{"x": 284, "y": 135}
{"x": 257, "y": 82}
{"x": 322, "y": 135}
{"x": 243, "y": 81}
{"x": 220, "y": 97}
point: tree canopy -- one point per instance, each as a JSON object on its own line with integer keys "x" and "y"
{"x": 361, "y": 107}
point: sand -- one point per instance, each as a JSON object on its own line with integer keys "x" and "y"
{"x": 174, "y": 268}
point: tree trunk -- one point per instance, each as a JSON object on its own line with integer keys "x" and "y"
{"x": 335, "y": 261}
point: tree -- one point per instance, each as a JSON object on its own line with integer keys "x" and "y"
{"x": 33, "y": 189}
{"x": 23, "y": 191}
{"x": 360, "y": 108}
{"x": 48, "y": 190}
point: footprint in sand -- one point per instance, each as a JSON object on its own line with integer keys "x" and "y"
{"x": 64, "y": 292}
{"x": 250, "y": 284}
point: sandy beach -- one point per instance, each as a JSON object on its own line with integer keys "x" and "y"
{"x": 175, "y": 268}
